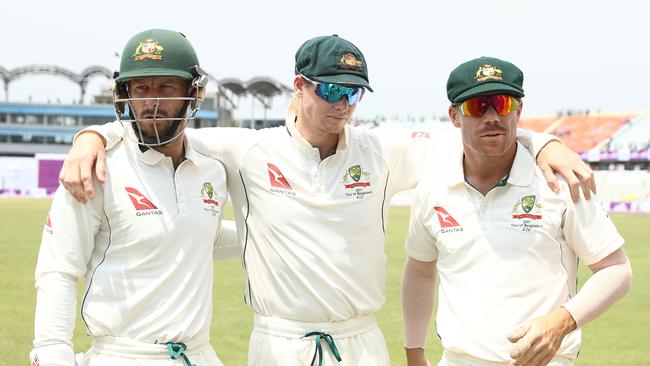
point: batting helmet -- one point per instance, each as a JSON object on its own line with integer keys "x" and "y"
{"x": 159, "y": 53}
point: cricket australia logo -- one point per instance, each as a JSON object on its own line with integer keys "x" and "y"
{"x": 527, "y": 210}
{"x": 487, "y": 72}
{"x": 352, "y": 179}
{"x": 350, "y": 61}
{"x": 209, "y": 204}
{"x": 148, "y": 49}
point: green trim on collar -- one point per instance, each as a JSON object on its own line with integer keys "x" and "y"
{"x": 503, "y": 181}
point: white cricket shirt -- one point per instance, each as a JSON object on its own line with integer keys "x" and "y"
{"x": 145, "y": 246}
{"x": 506, "y": 257}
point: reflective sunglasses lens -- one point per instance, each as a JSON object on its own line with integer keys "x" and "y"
{"x": 329, "y": 92}
{"x": 334, "y": 92}
{"x": 475, "y": 107}
{"x": 504, "y": 104}
{"x": 355, "y": 95}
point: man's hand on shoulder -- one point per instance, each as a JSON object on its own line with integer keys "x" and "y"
{"x": 557, "y": 157}
{"x": 87, "y": 156}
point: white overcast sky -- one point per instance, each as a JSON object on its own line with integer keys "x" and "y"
{"x": 575, "y": 54}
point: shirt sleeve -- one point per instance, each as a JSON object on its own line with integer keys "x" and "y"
{"x": 420, "y": 243}
{"x": 112, "y": 132}
{"x": 410, "y": 153}
{"x": 227, "y": 245}
{"x": 534, "y": 141}
{"x": 54, "y": 319}
{"x": 588, "y": 230}
{"x": 222, "y": 143}
{"x": 66, "y": 247}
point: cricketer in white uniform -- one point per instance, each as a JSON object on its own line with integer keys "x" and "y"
{"x": 145, "y": 245}
{"x": 312, "y": 219}
{"x": 505, "y": 246}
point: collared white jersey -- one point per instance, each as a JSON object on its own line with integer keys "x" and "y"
{"x": 313, "y": 230}
{"x": 145, "y": 245}
{"x": 504, "y": 258}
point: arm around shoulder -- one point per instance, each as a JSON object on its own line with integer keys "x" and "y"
{"x": 87, "y": 158}
{"x": 109, "y": 133}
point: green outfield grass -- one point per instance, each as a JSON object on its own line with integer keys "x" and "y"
{"x": 617, "y": 338}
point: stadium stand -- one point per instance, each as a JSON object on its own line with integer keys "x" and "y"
{"x": 541, "y": 124}
{"x": 580, "y": 132}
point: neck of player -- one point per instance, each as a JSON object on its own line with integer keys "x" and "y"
{"x": 325, "y": 142}
{"x": 484, "y": 172}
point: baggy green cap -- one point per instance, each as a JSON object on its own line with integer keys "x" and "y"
{"x": 332, "y": 59}
{"x": 484, "y": 76}
{"x": 157, "y": 52}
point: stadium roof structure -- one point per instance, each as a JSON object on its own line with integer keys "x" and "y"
{"x": 262, "y": 88}
{"x": 80, "y": 79}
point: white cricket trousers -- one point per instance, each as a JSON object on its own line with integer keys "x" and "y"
{"x": 455, "y": 359}
{"x": 111, "y": 351}
{"x": 276, "y": 341}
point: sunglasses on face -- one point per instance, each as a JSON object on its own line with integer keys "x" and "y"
{"x": 332, "y": 93}
{"x": 476, "y": 107}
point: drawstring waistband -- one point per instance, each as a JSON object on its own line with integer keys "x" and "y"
{"x": 177, "y": 350}
{"x": 319, "y": 349}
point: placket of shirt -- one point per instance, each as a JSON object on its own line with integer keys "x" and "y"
{"x": 173, "y": 175}
{"x": 317, "y": 171}
{"x": 156, "y": 160}
{"x": 179, "y": 186}
{"x": 481, "y": 203}
{"x": 315, "y": 166}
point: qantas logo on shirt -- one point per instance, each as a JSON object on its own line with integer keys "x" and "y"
{"x": 141, "y": 203}
{"x": 447, "y": 222}
{"x": 277, "y": 178}
{"x": 48, "y": 224}
{"x": 423, "y": 134}
{"x": 279, "y": 183}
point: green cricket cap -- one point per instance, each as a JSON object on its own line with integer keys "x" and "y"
{"x": 157, "y": 52}
{"x": 332, "y": 59}
{"x": 484, "y": 76}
